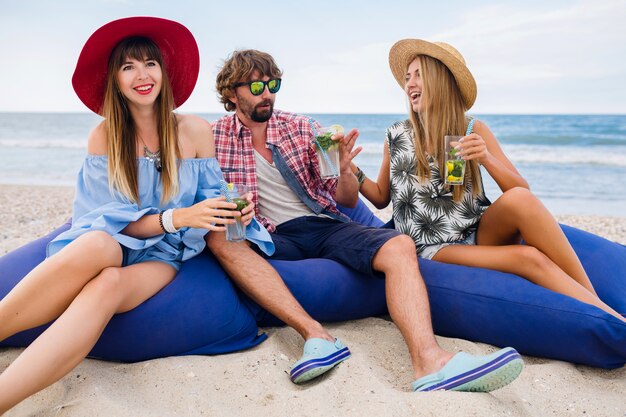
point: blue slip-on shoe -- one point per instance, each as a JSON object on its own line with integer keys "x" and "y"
{"x": 319, "y": 356}
{"x": 465, "y": 372}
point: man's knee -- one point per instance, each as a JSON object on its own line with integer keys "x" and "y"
{"x": 401, "y": 244}
{"x": 396, "y": 251}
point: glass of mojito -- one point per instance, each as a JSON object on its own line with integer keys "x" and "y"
{"x": 236, "y": 193}
{"x": 454, "y": 165}
{"x": 327, "y": 150}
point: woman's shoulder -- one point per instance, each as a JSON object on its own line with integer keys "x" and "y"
{"x": 400, "y": 127}
{"x": 478, "y": 125}
{"x": 97, "y": 140}
{"x": 400, "y": 124}
{"x": 198, "y": 133}
{"x": 192, "y": 122}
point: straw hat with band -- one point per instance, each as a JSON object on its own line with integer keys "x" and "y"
{"x": 403, "y": 52}
{"x": 176, "y": 43}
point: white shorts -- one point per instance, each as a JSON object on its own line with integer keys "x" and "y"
{"x": 429, "y": 251}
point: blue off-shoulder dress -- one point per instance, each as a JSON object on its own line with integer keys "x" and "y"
{"x": 96, "y": 207}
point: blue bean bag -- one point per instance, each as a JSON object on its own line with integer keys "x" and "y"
{"x": 482, "y": 305}
{"x": 197, "y": 313}
{"x": 506, "y": 310}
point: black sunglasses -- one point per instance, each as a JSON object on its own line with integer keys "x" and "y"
{"x": 257, "y": 87}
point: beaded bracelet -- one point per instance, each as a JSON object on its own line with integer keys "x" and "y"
{"x": 161, "y": 222}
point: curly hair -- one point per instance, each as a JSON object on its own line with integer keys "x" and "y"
{"x": 238, "y": 67}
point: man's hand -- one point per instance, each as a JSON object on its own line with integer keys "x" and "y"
{"x": 347, "y": 152}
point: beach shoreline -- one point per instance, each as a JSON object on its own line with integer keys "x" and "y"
{"x": 32, "y": 211}
{"x": 374, "y": 381}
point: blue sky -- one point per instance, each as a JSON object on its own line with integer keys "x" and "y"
{"x": 527, "y": 57}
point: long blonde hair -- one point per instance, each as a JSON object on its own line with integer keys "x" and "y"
{"x": 442, "y": 113}
{"x": 121, "y": 129}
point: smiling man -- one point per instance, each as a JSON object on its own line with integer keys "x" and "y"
{"x": 272, "y": 152}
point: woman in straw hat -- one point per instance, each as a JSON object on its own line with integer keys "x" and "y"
{"x": 146, "y": 195}
{"x": 457, "y": 223}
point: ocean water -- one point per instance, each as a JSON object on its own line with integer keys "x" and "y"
{"x": 575, "y": 164}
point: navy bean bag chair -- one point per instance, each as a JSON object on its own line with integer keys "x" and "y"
{"x": 199, "y": 312}
{"x": 482, "y": 305}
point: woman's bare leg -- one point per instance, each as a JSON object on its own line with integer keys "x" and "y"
{"x": 519, "y": 214}
{"x": 43, "y": 294}
{"x": 523, "y": 260}
{"x": 70, "y": 338}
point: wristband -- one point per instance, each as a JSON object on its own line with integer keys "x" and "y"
{"x": 360, "y": 176}
{"x": 168, "y": 221}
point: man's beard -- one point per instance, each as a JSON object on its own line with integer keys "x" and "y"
{"x": 253, "y": 113}
{"x": 262, "y": 116}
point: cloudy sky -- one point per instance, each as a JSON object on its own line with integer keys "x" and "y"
{"x": 536, "y": 56}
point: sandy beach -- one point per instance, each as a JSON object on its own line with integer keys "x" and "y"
{"x": 374, "y": 381}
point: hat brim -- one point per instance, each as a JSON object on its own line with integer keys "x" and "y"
{"x": 403, "y": 52}
{"x": 178, "y": 47}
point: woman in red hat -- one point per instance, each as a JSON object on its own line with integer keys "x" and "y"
{"x": 146, "y": 195}
{"x": 442, "y": 204}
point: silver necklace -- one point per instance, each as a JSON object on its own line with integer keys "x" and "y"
{"x": 154, "y": 157}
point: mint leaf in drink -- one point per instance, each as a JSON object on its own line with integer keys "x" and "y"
{"x": 325, "y": 141}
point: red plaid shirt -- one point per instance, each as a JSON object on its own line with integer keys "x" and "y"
{"x": 292, "y": 135}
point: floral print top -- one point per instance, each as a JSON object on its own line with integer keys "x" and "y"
{"x": 426, "y": 210}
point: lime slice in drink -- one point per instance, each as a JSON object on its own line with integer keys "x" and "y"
{"x": 336, "y": 128}
{"x": 241, "y": 203}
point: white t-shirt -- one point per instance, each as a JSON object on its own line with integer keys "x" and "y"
{"x": 277, "y": 201}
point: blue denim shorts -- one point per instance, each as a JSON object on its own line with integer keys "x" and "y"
{"x": 348, "y": 243}
{"x": 133, "y": 256}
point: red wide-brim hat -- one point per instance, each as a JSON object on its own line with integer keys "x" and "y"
{"x": 176, "y": 43}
